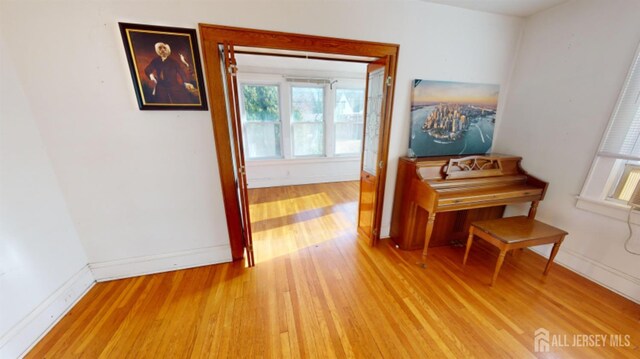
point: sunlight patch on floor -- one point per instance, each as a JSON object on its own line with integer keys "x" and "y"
{"x": 289, "y": 206}
{"x": 272, "y": 243}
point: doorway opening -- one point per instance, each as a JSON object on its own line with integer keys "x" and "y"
{"x": 302, "y": 123}
{"x": 225, "y": 100}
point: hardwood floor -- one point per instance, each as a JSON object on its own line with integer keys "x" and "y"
{"x": 318, "y": 291}
{"x": 287, "y": 219}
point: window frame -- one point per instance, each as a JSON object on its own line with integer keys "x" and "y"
{"x": 606, "y": 170}
{"x": 243, "y": 116}
{"x": 285, "y": 90}
{"x": 324, "y": 152}
{"x": 347, "y": 86}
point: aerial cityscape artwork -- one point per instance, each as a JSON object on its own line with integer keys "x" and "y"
{"x": 452, "y": 118}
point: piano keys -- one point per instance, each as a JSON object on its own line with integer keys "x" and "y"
{"x": 437, "y": 198}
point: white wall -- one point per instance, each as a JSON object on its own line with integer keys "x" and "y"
{"x": 570, "y": 68}
{"x": 447, "y": 44}
{"x": 139, "y": 185}
{"x": 145, "y": 184}
{"x": 273, "y": 173}
{"x": 140, "y": 190}
{"x": 42, "y": 263}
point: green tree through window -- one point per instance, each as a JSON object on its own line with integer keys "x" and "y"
{"x": 261, "y": 103}
{"x": 261, "y": 130}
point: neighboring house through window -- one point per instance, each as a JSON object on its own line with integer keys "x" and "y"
{"x": 307, "y": 120}
{"x": 349, "y": 121}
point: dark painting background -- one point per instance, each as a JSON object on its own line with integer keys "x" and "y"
{"x": 143, "y": 48}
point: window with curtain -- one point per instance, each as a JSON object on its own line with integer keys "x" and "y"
{"x": 261, "y": 121}
{"x": 615, "y": 172}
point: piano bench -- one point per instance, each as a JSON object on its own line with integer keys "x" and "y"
{"x": 515, "y": 233}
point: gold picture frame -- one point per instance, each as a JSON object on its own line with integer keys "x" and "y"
{"x": 165, "y": 67}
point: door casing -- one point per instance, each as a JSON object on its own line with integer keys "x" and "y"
{"x": 213, "y": 36}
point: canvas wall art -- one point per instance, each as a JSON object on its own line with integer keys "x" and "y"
{"x": 452, "y": 118}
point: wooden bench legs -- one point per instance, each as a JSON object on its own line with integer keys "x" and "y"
{"x": 554, "y": 251}
{"x": 506, "y": 246}
{"x": 499, "y": 262}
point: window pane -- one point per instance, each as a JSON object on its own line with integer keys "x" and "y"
{"x": 307, "y": 121}
{"x": 307, "y": 104}
{"x": 629, "y": 185}
{"x": 261, "y": 103}
{"x": 262, "y": 140}
{"x": 629, "y": 179}
{"x": 349, "y": 117}
{"x": 349, "y": 105}
{"x": 308, "y": 139}
{"x": 622, "y": 137}
{"x": 348, "y": 138}
{"x": 261, "y": 121}
{"x": 375, "y": 97}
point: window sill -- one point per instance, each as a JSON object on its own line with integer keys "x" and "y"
{"x": 608, "y": 208}
{"x": 309, "y": 160}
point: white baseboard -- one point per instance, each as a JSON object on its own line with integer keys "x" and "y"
{"x": 131, "y": 267}
{"x": 299, "y": 180}
{"x": 608, "y": 277}
{"x": 23, "y": 336}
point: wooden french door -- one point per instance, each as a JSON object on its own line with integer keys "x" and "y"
{"x": 233, "y": 110}
{"x": 373, "y": 151}
{"x": 228, "y": 142}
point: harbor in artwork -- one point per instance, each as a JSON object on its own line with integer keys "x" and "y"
{"x": 450, "y": 118}
{"x": 471, "y": 135}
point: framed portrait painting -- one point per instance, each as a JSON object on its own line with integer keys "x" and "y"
{"x": 165, "y": 67}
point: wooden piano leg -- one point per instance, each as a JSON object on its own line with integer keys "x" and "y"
{"x": 410, "y": 221}
{"x": 427, "y": 235}
{"x": 469, "y": 243}
{"x": 533, "y": 209}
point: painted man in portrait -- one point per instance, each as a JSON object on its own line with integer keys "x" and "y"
{"x": 171, "y": 82}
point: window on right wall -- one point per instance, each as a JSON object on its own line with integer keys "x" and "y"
{"x": 615, "y": 171}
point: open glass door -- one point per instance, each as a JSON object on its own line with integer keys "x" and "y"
{"x": 233, "y": 109}
{"x": 371, "y": 172}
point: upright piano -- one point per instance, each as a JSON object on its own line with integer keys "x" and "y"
{"x": 437, "y": 198}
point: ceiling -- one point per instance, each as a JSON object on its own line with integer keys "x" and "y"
{"x": 297, "y": 66}
{"x": 521, "y": 8}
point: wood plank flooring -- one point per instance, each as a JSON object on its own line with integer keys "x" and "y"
{"x": 319, "y": 292}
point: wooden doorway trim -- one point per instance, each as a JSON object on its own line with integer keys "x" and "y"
{"x": 212, "y": 37}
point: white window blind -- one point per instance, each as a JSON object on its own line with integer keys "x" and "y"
{"x": 622, "y": 138}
